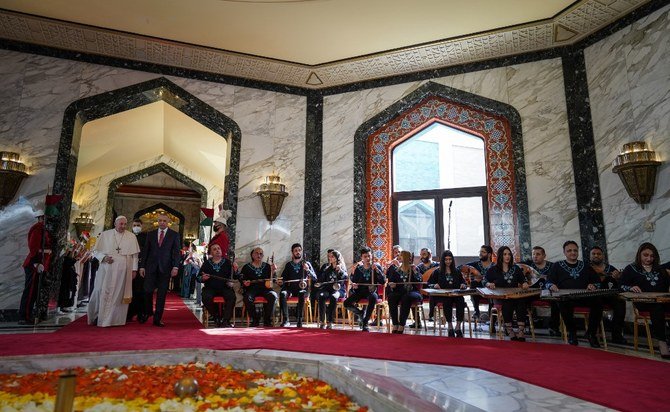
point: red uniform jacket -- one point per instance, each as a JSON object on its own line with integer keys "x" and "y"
{"x": 222, "y": 240}
{"x": 35, "y": 244}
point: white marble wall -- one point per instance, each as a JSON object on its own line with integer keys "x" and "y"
{"x": 629, "y": 76}
{"x": 36, "y": 90}
{"x": 91, "y": 196}
{"x": 534, "y": 89}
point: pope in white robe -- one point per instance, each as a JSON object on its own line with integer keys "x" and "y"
{"x": 118, "y": 251}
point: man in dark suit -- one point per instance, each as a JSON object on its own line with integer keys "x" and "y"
{"x": 159, "y": 261}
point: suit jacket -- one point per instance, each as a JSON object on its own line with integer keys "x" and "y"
{"x": 160, "y": 259}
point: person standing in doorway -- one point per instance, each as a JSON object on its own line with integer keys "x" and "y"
{"x": 159, "y": 262}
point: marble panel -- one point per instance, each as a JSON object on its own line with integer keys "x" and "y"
{"x": 536, "y": 91}
{"x": 631, "y": 101}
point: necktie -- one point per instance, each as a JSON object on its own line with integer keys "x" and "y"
{"x": 161, "y": 236}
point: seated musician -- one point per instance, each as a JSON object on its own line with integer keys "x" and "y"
{"x": 447, "y": 277}
{"x": 214, "y": 273}
{"x": 294, "y": 282}
{"x": 572, "y": 273}
{"x": 404, "y": 284}
{"x": 505, "y": 274}
{"x": 364, "y": 280}
{"x": 425, "y": 265}
{"x": 474, "y": 273}
{"x": 540, "y": 265}
{"x": 254, "y": 276}
{"x": 646, "y": 275}
{"x": 609, "y": 279}
{"x": 330, "y": 287}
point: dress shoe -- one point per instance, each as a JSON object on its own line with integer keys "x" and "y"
{"x": 285, "y": 324}
{"x": 554, "y": 332}
{"x": 365, "y": 328}
{"x": 459, "y": 333}
{"x": 255, "y": 323}
{"x": 514, "y": 338}
{"x": 329, "y": 325}
{"x": 451, "y": 333}
{"x": 572, "y": 339}
{"x": 298, "y": 325}
{"x": 160, "y": 324}
{"x": 226, "y": 324}
{"x": 142, "y": 318}
{"x": 322, "y": 325}
{"x": 521, "y": 339}
{"x": 593, "y": 341}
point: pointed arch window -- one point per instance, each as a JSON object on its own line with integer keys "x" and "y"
{"x": 439, "y": 197}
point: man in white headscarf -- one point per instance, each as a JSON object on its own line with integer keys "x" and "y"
{"x": 117, "y": 250}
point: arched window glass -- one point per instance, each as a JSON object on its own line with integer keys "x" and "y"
{"x": 439, "y": 191}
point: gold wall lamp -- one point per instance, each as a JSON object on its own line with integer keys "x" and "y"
{"x": 272, "y": 194}
{"x": 12, "y": 173}
{"x": 637, "y": 166}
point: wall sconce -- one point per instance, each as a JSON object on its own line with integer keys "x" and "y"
{"x": 12, "y": 173}
{"x": 83, "y": 223}
{"x": 637, "y": 166}
{"x": 272, "y": 194}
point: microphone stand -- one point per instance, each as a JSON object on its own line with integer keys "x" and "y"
{"x": 449, "y": 226}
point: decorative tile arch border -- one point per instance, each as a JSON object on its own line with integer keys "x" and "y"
{"x": 497, "y": 123}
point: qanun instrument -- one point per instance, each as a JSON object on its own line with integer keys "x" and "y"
{"x": 576, "y": 294}
{"x": 507, "y": 293}
{"x": 646, "y": 297}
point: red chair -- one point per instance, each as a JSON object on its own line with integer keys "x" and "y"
{"x": 257, "y": 301}
{"x": 205, "y": 314}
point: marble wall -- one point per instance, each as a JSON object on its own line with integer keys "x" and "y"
{"x": 628, "y": 77}
{"x": 36, "y": 90}
{"x": 534, "y": 89}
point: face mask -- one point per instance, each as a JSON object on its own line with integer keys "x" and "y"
{"x": 137, "y": 230}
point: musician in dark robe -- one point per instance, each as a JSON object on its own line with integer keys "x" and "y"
{"x": 424, "y": 266}
{"x": 364, "y": 280}
{"x": 254, "y": 276}
{"x": 447, "y": 277}
{"x": 216, "y": 274}
{"x": 646, "y": 275}
{"x": 296, "y": 272}
{"x": 573, "y": 273}
{"x": 541, "y": 266}
{"x": 330, "y": 287}
{"x": 404, "y": 284}
{"x": 609, "y": 279}
{"x": 505, "y": 274}
{"x": 474, "y": 273}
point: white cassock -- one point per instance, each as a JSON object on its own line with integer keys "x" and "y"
{"x": 113, "y": 288}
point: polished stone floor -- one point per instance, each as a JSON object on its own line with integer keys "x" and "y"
{"x": 445, "y": 387}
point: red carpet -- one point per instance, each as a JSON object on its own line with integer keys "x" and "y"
{"x": 608, "y": 379}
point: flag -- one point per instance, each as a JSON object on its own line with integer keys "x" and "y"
{"x": 209, "y": 216}
{"x": 51, "y": 205}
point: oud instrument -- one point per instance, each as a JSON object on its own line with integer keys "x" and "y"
{"x": 507, "y": 293}
{"x": 574, "y": 294}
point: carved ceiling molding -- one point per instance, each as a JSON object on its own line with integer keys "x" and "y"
{"x": 573, "y": 24}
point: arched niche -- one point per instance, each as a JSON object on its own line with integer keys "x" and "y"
{"x": 108, "y": 103}
{"x": 499, "y": 124}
